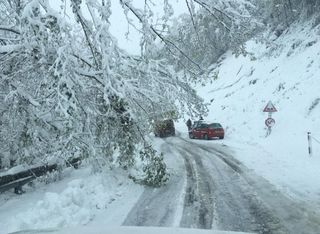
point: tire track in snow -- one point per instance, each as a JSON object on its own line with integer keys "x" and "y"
{"x": 219, "y": 192}
{"x": 270, "y": 210}
{"x": 198, "y": 202}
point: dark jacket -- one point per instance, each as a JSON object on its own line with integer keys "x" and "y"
{"x": 189, "y": 123}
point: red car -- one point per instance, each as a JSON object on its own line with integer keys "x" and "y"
{"x": 206, "y": 131}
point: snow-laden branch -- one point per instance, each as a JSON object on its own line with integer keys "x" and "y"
{"x": 159, "y": 35}
{"x": 86, "y": 33}
{"x": 24, "y": 94}
{"x": 83, "y": 60}
{"x": 9, "y": 29}
{"x": 76, "y": 78}
{"x": 192, "y": 19}
{"x": 5, "y": 49}
{"x": 208, "y": 8}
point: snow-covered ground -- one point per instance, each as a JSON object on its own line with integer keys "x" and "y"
{"x": 287, "y": 72}
{"x": 78, "y": 199}
{"x": 126, "y": 230}
{"x": 86, "y": 202}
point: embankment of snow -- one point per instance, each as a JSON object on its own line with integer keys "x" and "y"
{"x": 82, "y": 199}
{"x": 286, "y": 71}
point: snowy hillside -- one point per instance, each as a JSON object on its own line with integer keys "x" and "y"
{"x": 285, "y": 71}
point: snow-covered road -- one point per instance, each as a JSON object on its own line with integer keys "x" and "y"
{"x": 217, "y": 191}
{"x": 209, "y": 188}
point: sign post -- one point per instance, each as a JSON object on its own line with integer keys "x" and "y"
{"x": 270, "y": 122}
{"x": 309, "y": 144}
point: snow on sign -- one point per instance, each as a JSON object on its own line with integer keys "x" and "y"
{"x": 270, "y": 122}
{"x": 269, "y": 107}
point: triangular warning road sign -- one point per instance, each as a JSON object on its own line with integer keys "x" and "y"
{"x": 269, "y": 107}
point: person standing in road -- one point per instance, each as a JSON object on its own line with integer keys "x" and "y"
{"x": 189, "y": 124}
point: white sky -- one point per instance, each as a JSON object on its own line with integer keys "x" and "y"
{"x": 119, "y": 25}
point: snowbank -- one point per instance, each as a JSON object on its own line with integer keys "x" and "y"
{"x": 103, "y": 198}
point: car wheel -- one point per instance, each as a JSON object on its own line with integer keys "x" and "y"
{"x": 191, "y": 136}
{"x": 205, "y": 136}
{"x": 221, "y": 137}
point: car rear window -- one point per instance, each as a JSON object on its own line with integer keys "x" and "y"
{"x": 204, "y": 126}
{"x": 215, "y": 125}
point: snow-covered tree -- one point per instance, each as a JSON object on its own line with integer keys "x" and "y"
{"x": 281, "y": 13}
{"x": 209, "y": 29}
{"x": 69, "y": 91}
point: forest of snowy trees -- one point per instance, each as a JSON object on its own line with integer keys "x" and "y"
{"x": 68, "y": 90}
